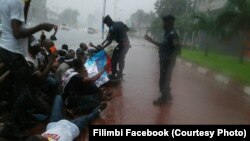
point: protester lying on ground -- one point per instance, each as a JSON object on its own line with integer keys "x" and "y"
{"x": 60, "y": 129}
{"x": 79, "y": 91}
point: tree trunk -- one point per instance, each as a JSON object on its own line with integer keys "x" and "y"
{"x": 243, "y": 47}
{"x": 241, "y": 58}
{"x": 206, "y": 50}
{"x": 206, "y": 45}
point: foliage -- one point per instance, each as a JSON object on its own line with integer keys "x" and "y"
{"x": 175, "y": 7}
{"x": 142, "y": 19}
{"x": 227, "y": 65}
{"x": 235, "y": 17}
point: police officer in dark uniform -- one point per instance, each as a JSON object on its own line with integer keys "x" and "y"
{"x": 118, "y": 32}
{"x": 168, "y": 51}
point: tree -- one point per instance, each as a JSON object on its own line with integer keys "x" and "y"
{"x": 235, "y": 20}
{"x": 141, "y": 19}
{"x": 181, "y": 9}
{"x": 175, "y": 7}
{"x": 69, "y": 16}
{"x": 156, "y": 29}
{"x": 205, "y": 23}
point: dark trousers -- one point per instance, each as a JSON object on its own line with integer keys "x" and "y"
{"x": 166, "y": 69}
{"x": 83, "y": 103}
{"x": 80, "y": 122}
{"x": 118, "y": 58}
{"x": 17, "y": 65}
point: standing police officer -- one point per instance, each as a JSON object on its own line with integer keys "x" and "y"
{"x": 168, "y": 51}
{"x": 118, "y": 32}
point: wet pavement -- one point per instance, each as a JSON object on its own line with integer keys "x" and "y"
{"x": 196, "y": 98}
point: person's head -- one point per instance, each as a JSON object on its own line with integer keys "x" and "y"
{"x": 108, "y": 21}
{"x": 26, "y": 1}
{"x": 168, "y": 21}
{"x": 50, "y": 46}
{"x": 83, "y": 46}
{"x": 81, "y": 55}
{"x": 37, "y": 138}
{"x": 34, "y": 46}
{"x": 78, "y": 64}
{"x": 65, "y": 47}
{"x": 69, "y": 58}
{"x": 62, "y": 53}
{"x": 72, "y": 53}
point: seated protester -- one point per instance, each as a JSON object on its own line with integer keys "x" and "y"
{"x": 65, "y": 47}
{"x": 34, "y": 48}
{"x": 67, "y": 64}
{"x": 62, "y": 54}
{"x": 72, "y": 52}
{"x": 89, "y": 51}
{"x": 80, "y": 54}
{"x": 48, "y": 83}
{"x": 60, "y": 129}
{"x": 79, "y": 91}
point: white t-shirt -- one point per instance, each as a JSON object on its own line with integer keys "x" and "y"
{"x": 9, "y": 10}
{"x": 67, "y": 76}
{"x": 62, "y": 130}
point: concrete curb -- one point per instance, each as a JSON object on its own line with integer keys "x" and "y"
{"x": 202, "y": 70}
{"x": 247, "y": 90}
{"x": 222, "y": 79}
{"x": 217, "y": 77}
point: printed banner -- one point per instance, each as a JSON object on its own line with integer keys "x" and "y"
{"x": 95, "y": 64}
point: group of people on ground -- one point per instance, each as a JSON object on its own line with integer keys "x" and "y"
{"x": 37, "y": 78}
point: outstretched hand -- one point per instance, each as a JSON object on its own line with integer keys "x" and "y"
{"x": 91, "y": 44}
{"x": 47, "y": 27}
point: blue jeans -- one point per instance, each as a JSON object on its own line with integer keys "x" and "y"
{"x": 81, "y": 122}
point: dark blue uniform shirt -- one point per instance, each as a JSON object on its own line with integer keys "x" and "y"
{"x": 167, "y": 47}
{"x": 118, "y": 32}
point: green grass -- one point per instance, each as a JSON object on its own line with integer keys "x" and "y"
{"x": 227, "y": 65}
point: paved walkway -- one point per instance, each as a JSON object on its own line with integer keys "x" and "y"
{"x": 197, "y": 99}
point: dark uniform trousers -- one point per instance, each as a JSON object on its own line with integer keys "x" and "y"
{"x": 166, "y": 69}
{"x": 118, "y": 58}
